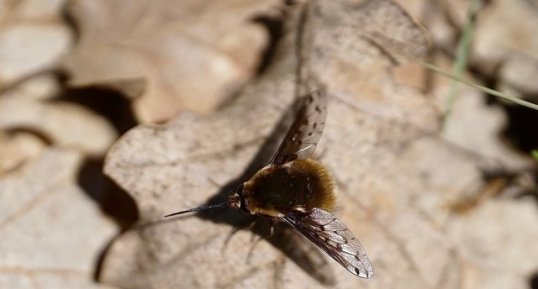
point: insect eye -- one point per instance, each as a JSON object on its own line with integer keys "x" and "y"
{"x": 243, "y": 202}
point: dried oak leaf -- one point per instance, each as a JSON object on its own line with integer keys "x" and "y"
{"x": 18, "y": 147}
{"x": 506, "y": 43}
{"x": 504, "y": 223}
{"x": 33, "y": 37}
{"x": 473, "y": 125}
{"x": 439, "y": 18}
{"x": 29, "y": 107}
{"x": 182, "y": 48}
{"x": 52, "y": 233}
{"x": 394, "y": 175}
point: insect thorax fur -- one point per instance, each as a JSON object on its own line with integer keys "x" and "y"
{"x": 277, "y": 189}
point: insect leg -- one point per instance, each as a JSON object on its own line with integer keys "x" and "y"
{"x": 249, "y": 226}
{"x": 257, "y": 240}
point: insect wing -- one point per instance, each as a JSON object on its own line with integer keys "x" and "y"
{"x": 333, "y": 237}
{"x": 306, "y": 130}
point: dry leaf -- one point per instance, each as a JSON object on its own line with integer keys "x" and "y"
{"x": 473, "y": 125}
{"x": 60, "y": 123}
{"x": 395, "y": 175}
{"x": 437, "y": 17}
{"x": 505, "y": 43}
{"x": 17, "y": 148}
{"x": 182, "y": 48}
{"x": 176, "y": 166}
{"x": 507, "y": 224}
{"x": 32, "y": 36}
{"x": 52, "y": 232}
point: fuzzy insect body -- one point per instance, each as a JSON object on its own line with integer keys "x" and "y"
{"x": 299, "y": 185}
{"x": 299, "y": 191}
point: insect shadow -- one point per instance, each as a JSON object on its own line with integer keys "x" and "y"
{"x": 299, "y": 250}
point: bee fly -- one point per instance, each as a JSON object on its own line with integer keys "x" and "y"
{"x": 299, "y": 191}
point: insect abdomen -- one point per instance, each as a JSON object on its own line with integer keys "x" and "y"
{"x": 322, "y": 187}
{"x": 298, "y": 184}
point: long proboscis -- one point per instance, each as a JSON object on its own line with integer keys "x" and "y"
{"x": 201, "y": 208}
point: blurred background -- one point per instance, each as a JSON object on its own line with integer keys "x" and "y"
{"x": 75, "y": 76}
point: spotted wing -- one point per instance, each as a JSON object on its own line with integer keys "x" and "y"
{"x": 305, "y": 132}
{"x": 333, "y": 237}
